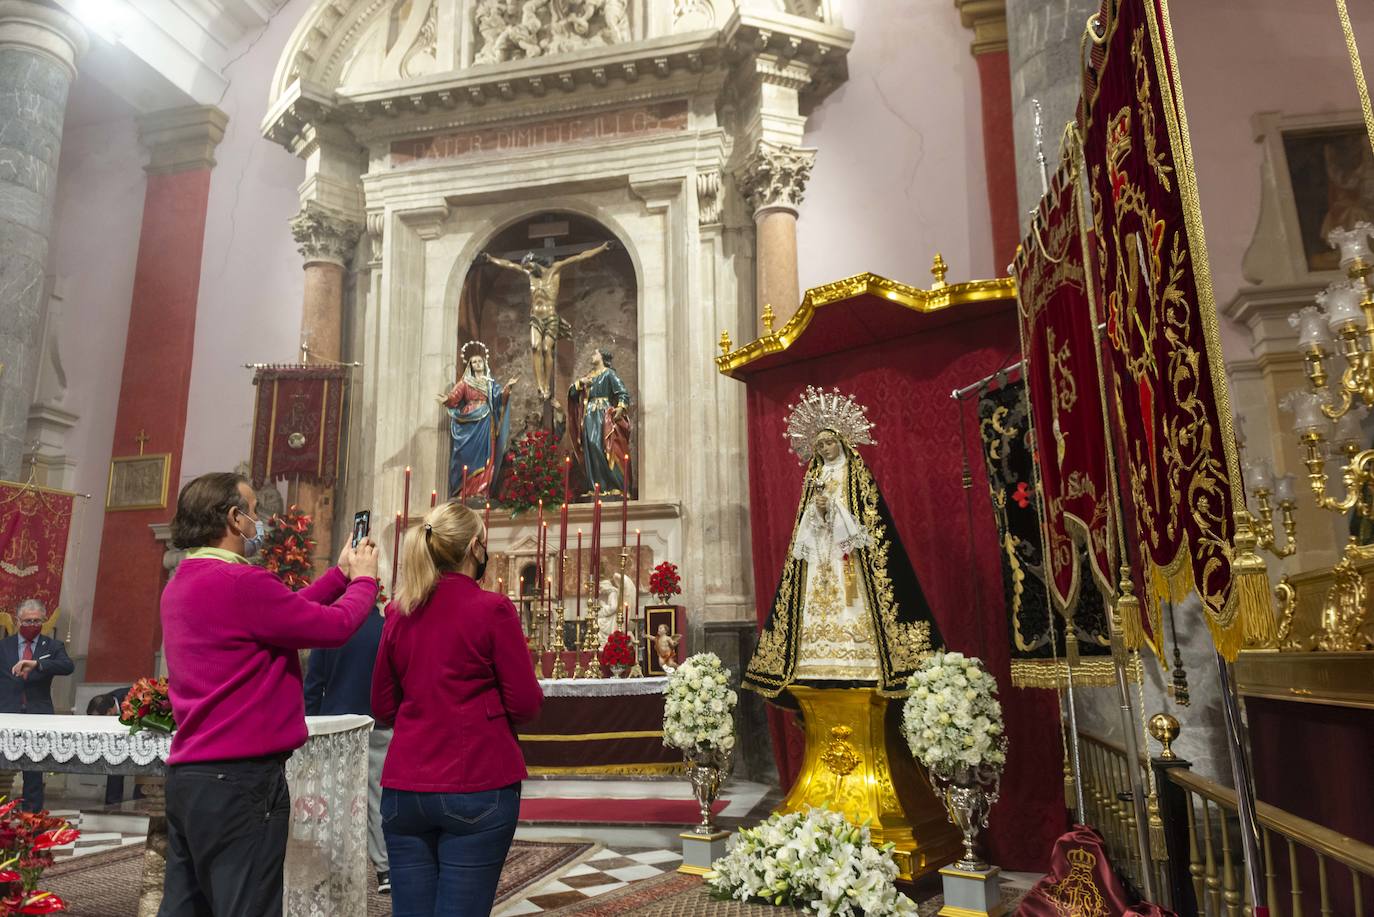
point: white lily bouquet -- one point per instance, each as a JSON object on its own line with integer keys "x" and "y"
{"x": 952, "y": 719}
{"x": 814, "y": 859}
{"x": 699, "y": 707}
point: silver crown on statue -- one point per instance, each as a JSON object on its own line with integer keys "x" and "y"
{"x": 819, "y": 410}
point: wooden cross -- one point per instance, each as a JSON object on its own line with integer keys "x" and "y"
{"x": 142, "y": 439}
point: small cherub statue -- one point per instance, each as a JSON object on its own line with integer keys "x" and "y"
{"x": 665, "y": 646}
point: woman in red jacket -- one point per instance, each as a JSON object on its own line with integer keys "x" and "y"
{"x": 453, "y": 673}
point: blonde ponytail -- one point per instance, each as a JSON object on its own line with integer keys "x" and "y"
{"x": 438, "y": 545}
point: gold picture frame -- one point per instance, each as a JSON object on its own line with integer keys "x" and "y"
{"x": 654, "y": 615}
{"x": 138, "y": 482}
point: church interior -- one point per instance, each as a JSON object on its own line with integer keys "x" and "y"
{"x": 925, "y": 445}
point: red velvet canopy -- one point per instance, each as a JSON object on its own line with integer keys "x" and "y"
{"x": 901, "y": 350}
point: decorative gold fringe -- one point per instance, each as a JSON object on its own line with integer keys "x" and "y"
{"x": 1093, "y": 672}
{"x": 1128, "y": 612}
{"x": 1159, "y": 850}
{"x": 1252, "y": 595}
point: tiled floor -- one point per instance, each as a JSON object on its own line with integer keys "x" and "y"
{"x": 91, "y": 841}
{"x": 605, "y": 871}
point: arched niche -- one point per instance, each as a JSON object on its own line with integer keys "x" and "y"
{"x": 598, "y": 297}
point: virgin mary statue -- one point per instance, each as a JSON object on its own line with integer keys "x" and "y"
{"x": 479, "y": 424}
{"x": 849, "y": 610}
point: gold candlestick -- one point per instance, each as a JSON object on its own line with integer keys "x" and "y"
{"x": 591, "y": 639}
{"x": 635, "y": 670}
{"x": 559, "y": 671}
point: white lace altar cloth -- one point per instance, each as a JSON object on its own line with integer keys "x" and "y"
{"x": 326, "y": 854}
{"x": 602, "y": 687}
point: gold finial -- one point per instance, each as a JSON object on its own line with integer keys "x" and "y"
{"x": 939, "y": 269}
{"x": 768, "y": 318}
{"x": 1165, "y": 729}
{"x": 725, "y": 344}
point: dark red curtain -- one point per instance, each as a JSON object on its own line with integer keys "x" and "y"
{"x": 918, "y": 463}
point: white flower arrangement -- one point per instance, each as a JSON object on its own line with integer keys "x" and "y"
{"x": 814, "y": 859}
{"x": 699, "y": 707}
{"x": 952, "y": 719}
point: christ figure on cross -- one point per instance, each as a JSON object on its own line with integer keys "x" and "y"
{"x": 546, "y": 326}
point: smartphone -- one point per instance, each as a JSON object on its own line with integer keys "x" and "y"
{"x": 362, "y": 524}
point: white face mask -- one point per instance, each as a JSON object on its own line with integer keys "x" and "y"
{"x": 252, "y": 544}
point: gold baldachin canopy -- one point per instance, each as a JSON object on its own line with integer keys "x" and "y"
{"x": 941, "y": 296}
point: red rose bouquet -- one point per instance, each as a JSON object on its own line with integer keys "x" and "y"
{"x": 147, "y": 706}
{"x": 26, "y": 843}
{"x": 618, "y": 650}
{"x": 664, "y": 582}
{"x": 536, "y": 473}
{"x": 287, "y": 547}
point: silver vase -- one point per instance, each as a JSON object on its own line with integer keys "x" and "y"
{"x": 969, "y": 794}
{"x": 707, "y": 768}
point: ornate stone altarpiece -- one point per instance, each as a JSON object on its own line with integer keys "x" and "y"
{"x": 429, "y": 126}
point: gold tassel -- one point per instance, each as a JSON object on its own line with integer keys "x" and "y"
{"x": 1250, "y": 585}
{"x": 1070, "y": 792}
{"x": 1159, "y": 850}
{"x": 1071, "y": 648}
{"x": 1128, "y": 612}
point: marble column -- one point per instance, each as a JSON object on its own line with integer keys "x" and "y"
{"x": 988, "y": 20}
{"x": 773, "y": 181}
{"x": 155, "y": 383}
{"x": 326, "y": 241}
{"x": 39, "y": 46}
{"x": 1042, "y": 38}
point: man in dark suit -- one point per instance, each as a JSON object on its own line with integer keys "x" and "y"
{"x": 28, "y": 664}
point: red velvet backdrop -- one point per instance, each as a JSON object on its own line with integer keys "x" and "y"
{"x": 918, "y": 463}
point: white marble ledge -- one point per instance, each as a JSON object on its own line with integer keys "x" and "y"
{"x": 603, "y": 687}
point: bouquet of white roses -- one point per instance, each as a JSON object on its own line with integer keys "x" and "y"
{"x": 814, "y": 859}
{"x": 952, "y": 719}
{"x": 699, "y": 707}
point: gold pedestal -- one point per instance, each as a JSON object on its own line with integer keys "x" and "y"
{"x": 857, "y": 763}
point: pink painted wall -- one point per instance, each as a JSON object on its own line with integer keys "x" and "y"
{"x": 1239, "y": 57}
{"x": 900, "y": 173}
{"x": 100, "y": 187}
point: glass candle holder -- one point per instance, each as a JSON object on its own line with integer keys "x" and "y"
{"x": 1313, "y": 332}
{"x": 1342, "y": 304}
{"x": 1349, "y": 433}
{"x": 1258, "y": 475}
{"x": 1353, "y": 244}
{"x": 1307, "y": 413}
{"x": 1284, "y": 489}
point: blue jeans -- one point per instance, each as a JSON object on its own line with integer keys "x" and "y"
{"x": 447, "y": 849}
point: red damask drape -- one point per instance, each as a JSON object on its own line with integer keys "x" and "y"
{"x": 905, "y": 379}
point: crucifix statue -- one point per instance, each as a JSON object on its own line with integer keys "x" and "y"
{"x": 546, "y": 326}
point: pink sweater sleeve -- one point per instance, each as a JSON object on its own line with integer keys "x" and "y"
{"x": 520, "y": 692}
{"x": 386, "y": 687}
{"x": 327, "y": 588}
{"x": 279, "y": 617}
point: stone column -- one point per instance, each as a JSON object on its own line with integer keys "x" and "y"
{"x": 39, "y": 46}
{"x": 773, "y": 181}
{"x": 326, "y": 241}
{"x": 1042, "y": 38}
{"x": 988, "y": 20}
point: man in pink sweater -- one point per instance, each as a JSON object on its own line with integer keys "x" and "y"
{"x": 231, "y": 632}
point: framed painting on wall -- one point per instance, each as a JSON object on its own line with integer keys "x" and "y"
{"x": 1331, "y": 171}
{"x": 138, "y": 482}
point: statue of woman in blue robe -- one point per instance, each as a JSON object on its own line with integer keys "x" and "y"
{"x": 600, "y": 426}
{"x": 479, "y": 423}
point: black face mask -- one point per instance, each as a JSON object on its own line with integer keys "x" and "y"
{"x": 481, "y": 570}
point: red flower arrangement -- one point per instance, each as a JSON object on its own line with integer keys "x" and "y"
{"x": 536, "y": 473}
{"x": 26, "y": 842}
{"x": 618, "y": 651}
{"x": 664, "y": 582}
{"x": 147, "y": 706}
{"x": 287, "y": 547}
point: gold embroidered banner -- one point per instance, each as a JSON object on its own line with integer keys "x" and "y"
{"x": 34, "y": 525}
{"x": 1168, "y": 378}
{"x": 1063, "y": 382}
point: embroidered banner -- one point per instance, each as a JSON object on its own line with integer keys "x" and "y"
{"x": 1038, "y": 653}
{"x": 297, "y": 421}
{"x": 1063, "y": 381}
{"x": 34, "y": 525}
{"x": 1168, "y": 378}
{"x": 1082, "y": 883}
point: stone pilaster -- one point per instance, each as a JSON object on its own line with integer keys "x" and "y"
{"x": 773, "y": 181}
{"x": 1042, "y": 38}
{"x": 988, "y": 21}
{"x": 39, "y": 47}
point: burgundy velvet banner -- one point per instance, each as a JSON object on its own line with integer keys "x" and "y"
{"x": 1059, "y": 348}
{"x": 34, "y": 524}
{"x": 1081, "y": 883}
{"x": 1167, "y": 375}
{"x": 918, "y": 464}
{"x": 297, "y": 421}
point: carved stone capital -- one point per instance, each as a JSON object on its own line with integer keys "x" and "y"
{"x": 988, "y": 20}
{"x": 181, "y": 139}
{"x": 775, "y": 176}
{"x": 322, "y": 236}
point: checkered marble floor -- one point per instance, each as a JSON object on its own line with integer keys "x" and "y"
{"x": 605, "y": 871}
{"x": 91, "y": 841}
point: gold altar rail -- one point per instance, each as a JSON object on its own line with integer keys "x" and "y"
{"x": 1309, "y": 870}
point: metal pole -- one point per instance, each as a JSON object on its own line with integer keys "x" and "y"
{"x": 1082, "y": 810}
{"x": 1245, "y": 787}
{"x": 1129, "y": 724}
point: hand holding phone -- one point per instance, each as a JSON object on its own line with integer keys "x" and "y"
{"x": 362, "y": 525}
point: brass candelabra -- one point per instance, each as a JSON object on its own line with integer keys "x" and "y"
{"x": 591, "y": 637}
{"x": 559, "y": 671}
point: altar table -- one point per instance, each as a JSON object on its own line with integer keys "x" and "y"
{"x": 326, "y": 854}
{"x": 599, "y": 727}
